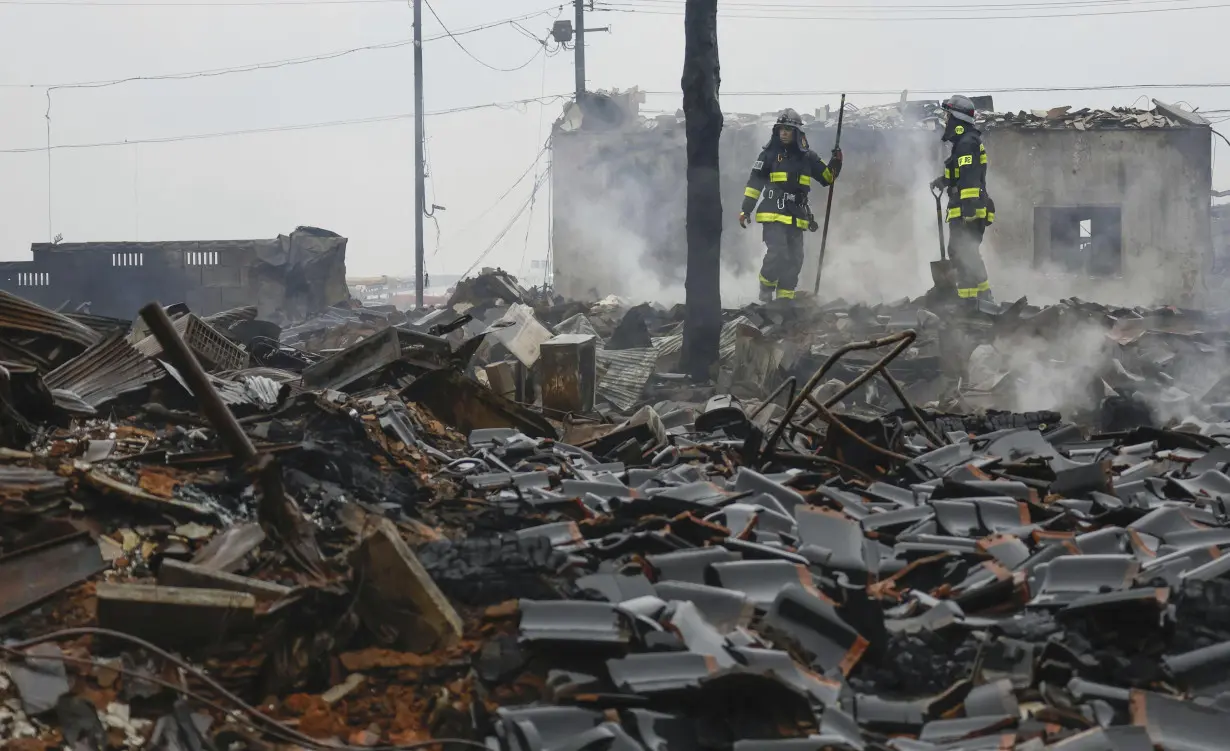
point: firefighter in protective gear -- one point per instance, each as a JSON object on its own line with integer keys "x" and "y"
{"x": 970, "y": 208}
{"x": 781, "y": 179}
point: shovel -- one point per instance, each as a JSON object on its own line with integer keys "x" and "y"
{"x": 942, "y": 272}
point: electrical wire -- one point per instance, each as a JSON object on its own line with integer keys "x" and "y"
{"x": 542, "y": 179}
{"x": 282, "y": 128}
{"x": 474, "y": 57}
{"x": 627, "y": 7}
{"x": 275, "y": 727}
{"x": 221, "y": 3}
{"x": 878, "y": 8}
{"x": 472, "y": 223}
{"x": 993, "y": 90}
{"x": 287, "y": 62}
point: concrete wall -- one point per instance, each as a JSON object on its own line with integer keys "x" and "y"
{"x": 1160, "y": 179}
{"x": 287, "y": 278}
{"x": 619, "y": 198}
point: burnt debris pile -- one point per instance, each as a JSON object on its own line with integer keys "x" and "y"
{"x": 510, "y": 524}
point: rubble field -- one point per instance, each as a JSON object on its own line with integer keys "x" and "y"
{"x": 511, "y": 524}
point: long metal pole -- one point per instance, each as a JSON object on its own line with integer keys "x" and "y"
{"x": 420, "y": 192}
{"x": 828, "y": 208}
{"x": 579, "y": 59}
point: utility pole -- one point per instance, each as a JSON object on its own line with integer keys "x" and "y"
{"x": 702, "y": 322}
{"x": 420, "y": 192}
{"x": 580, "y": 49}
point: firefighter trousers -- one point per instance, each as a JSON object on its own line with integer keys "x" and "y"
{"x": 964, "y": 239}
{"x": 783, "y": 258}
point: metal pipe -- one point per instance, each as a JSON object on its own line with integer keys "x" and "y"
{"x": 212, "y": 406}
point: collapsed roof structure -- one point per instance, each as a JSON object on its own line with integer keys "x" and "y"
{"x": 507, "y": 525}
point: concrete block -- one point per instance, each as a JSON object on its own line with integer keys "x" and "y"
{"x": 399, "y": 598}
{"x": 173, "y": 573}
{"x": 174, "y": 617}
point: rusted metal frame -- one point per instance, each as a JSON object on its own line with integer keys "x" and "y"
{"x": 835, "y": 421}
{"x": 878, "y": 367}
{"x": 792, "y": 382}
{"x": 277, "y": 512}
{"x": 901, "y": 397}
{"x": 902, "y": 339}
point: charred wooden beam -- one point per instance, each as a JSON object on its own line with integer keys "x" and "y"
{"x": 701, "y": 80}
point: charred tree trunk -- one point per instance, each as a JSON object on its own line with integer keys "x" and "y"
{"x": 702, "y": 325}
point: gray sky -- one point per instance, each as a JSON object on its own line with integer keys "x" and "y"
{"x": 358, "y": 179}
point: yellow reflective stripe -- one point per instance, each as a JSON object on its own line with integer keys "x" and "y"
{"x": 990, "y": 216}
{"x": 948, "y": 173}
{"x": 985, "y": 286}
{"x": 771, "y": 216}
{"x": 785, "y": 294}
{"x": 982, "y": 147}
{"x": 965, "y": 161}
{"x": 980, "y": 214}
{"x": 766, "y": 282}
{"x": 778, "y": 177}
{"x": 982, "y": 159}
{"x": 956, "y": 172}
{"x": 970, "y": 193}
{"x": 804, "y": 179}
{"x": 751, "y": 192}
{"x": 828, "y": 176}
{"x": 802, "y": 223}
{"x": 953, "y": 213}
{"x": 967, "y": 291}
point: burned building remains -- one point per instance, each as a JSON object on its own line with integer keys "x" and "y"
{"x": 286, "y": 278}
{"x": 1094, "y": 200}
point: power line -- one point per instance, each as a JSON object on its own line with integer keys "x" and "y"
{"x": 995, "y": 90}
{"x": 470, "y": 54}
{"x": 538, "y": 183}
{"x": 281, "y": 128}
{"x": 475, "y": 221}
{"x": 221, "y": 3}
{"x": 287, "y": 62}
{"x": 627, "y": 7}
{"x": 879, "y": 8}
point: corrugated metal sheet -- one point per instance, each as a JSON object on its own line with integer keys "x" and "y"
{"x": 623, "y": 374}
{"x": 726, "y": 344}
{"x": 249, "y": 391}
{"x": 101, "y": 373}
{"x": 23, "y": 317}
{"x": 228, "y": 318}
{"x": 104, "y": 325}
{"x": 672, "y": 343}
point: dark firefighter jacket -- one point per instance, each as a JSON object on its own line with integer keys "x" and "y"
{"x": 965, "y": 173}
{"x": 788, "y": 172}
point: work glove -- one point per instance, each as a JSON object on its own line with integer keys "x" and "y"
{"x": 835, "y": 163}
{"x": 939, "y": 183}
{"x": 743, "y": 220}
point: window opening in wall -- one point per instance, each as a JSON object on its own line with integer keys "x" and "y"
{"x": 33, "y": 279}
{"x": 201, "y": 257}
{"x": 1079, "y": 240}
{"x": 127, "y": 259}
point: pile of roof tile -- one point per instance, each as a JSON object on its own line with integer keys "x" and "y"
{"x": 418, "y": 557}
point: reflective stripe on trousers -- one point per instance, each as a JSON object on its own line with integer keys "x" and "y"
{"x": 768, "y": 217}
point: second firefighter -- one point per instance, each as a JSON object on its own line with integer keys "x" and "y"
{"x": 970, "y": 208}
{"x": 781, "y": 179}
